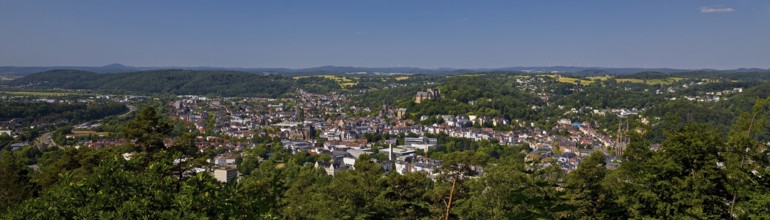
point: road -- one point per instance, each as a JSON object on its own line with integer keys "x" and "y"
{"x": 45, "y": 142}
{"x": 131, "y": 108}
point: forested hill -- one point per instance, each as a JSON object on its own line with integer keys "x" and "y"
{"x": 177, "y": 82}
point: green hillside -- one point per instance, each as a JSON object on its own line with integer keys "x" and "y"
{"x": 177, "y": 82}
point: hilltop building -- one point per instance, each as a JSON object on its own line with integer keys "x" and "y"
{"x": 426, "y": 95}
{"x": 401, "y": 112}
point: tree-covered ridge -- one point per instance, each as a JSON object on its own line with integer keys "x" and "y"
{"x": 485, "y": 95}
{"x": 177, "y": 82}
{"x": 72, "y": 112}
{"x": 544, "y": 98}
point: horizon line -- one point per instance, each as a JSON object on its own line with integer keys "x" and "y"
{"x": 374, "y": 67}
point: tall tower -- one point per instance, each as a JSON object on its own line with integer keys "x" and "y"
{"x": 390, "y": 152}
{"x": 622, "y": 141}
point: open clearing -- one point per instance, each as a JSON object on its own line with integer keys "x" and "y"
{"x": 574, "y": 80}
{"x": 343, "y": 81}
{"x": 589, "y": 80}
{"x": 41, "y": 93}
{"x": 86, "y": 133}
{"x": 666, "y": 81}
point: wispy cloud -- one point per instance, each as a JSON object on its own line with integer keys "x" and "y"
{"x": 716, "y": 9}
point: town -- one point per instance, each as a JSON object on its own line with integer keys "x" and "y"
{"x": 385, "y": 109}
{"x": 328, "y": 124}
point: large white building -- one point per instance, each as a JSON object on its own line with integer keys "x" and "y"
{"x": 225, "y": 174}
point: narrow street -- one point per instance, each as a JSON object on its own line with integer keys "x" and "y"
{"x": 45, "y": 142}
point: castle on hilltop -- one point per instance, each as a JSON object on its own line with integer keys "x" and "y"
{"x": 426, "y": 95}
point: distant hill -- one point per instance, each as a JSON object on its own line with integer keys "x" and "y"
{"x": 15, "y": 72}
{"x": 177, "y": 82}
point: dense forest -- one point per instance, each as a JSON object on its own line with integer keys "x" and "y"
{"x": 44, "y": 112}
{"x": 176, "y": 82}
{"x": 200, "y": 82}
{"x": 484, "y": 96}
{"x": 480, "y": 95}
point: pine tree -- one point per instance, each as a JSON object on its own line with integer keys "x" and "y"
{"x": 148, "y": 130}
{"x": 15, "y": 185}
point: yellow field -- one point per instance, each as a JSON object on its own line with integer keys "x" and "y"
{"x": 666, "y": 81}
{"x": 86, "y": 133}
{"x": 3, "y": 78}
{"x": 575, "y": 80}
{"x": 591, "y": 79}
{"x": 602, "y": 78}
{"x": 34, "y": 93}
{"x": 631, "y": 81}
{"x": 570, "y": 80}
{"x": 343, "y": 81}
{"x": 399, "y": 78}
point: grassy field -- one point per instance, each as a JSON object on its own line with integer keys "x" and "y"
{"x": 399, "y": 78}
{"x": 601, "y": 78}
{"x": 575, "y": 80}
{"x": 591, "y": 79}
{"x": 41, "y": 93}
{"x": 86, "y": 133}
{"x": 343, "y": 81}
{"x": 570, "y": 80}
{"x": 666, "y": 81}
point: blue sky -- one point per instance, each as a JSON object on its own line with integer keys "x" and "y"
{"x": 379, "y": 33}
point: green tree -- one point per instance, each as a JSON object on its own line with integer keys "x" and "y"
{"x": 186, "y": 157}
{"x": 586, "y": 196}
{"x": 455, "y": 168}
{"x": 683, "y": 179}
{"x": 690, "y": 182}
{"x": 123, "y": 189}
{"x": 15, "y": 185}
{"x": 265, "y": 187}
{"x": 407, "y": 195}
{"x": 364, "y": 201}
{"x": 304, "y": 196}
{"x": 69, "y": 163}
{"x": 148, "y": 130}
{"x": 511, "y": 189}
{"x": 630, "y": 182}
{"x": 747, "y": 164}
{"x": 211, "y": 123}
